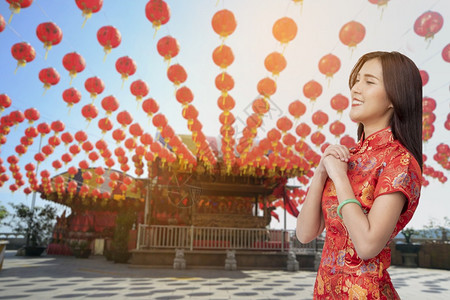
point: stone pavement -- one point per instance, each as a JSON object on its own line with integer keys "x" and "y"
{"x": 61, "y": 277}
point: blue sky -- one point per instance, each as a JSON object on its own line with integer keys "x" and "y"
{"x": 389, "y": 28}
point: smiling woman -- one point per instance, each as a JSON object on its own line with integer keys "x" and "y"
{"x": 365, "y": 196}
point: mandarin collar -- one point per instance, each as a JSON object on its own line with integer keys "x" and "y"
{"x": 376, "y": 139}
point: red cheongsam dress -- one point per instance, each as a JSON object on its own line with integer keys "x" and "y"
{"x": 378, "y": 165}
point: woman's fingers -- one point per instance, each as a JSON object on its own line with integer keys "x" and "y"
{"x": 338, "y": 151}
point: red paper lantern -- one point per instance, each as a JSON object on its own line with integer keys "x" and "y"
{"x": 88, "y": 7}
{"x": 71, "y": 96}
{"x": 289, "y": 139}
{"x": 284, "y": 124}
{"x": 253, "y": 121}
{"x": 57, "y": 126}
{"x": 352, "y": 33}
{"x": 87, "y": 146}
{"x": 312, "y": 90}
{"x": 81, "y": 136}
{"x": 67, "y": 138}
{"x": 43, "y": 128}
{"x": 267, "y": 87}
{"x": 54, "y": 141}
{"x": 329, "y": 65}
{"x": 39, "y": 157}
{"x": 273, "y": 135}
{"x": 50, "y": 34}
{"x": 176, "y": 74}
{"x": 339, "y": 103}
{"x": 275, "y": 63}
{"x": 297, "y": 109}
{"x": 23, "y": 53}
{"x": 226, "y": 103}
{"x": 223, "y": 23}
{"x": 89, "y": 111}
{"x": 168, "y": 48}
{"x": 5, "y": 102}
{"x": 260, "y": 106}
{"x": 31, "y": 132}
{"x": 49, "y": 77}
{"x": 146, "y": 139}
{"x": 136, "y": 130}
{"x": 56, "y": 164}
{"x": 317, "y": 138}
{"x": 130, "y": 144}
{"x": 94, "y": 86}
{"x": 424, "y": 76}
{"x": 337, "y": 128}
{"x": 225, "y": 118}
{"x": 223, "y": 56}
{"x": 20, "y": 149}
{"x": 93, "y": 156}
{"x": 118, "y": 135}
{"x": 74, "y": 149}
{"x": 110, "y": 104}
{"x": 32, "y": 114}
{"x": 74, "y": 63}
{"x": 320, "y": 118}
{"x": 109, "y": 37}
{"x": 105, "y": 125}
{"x": 428, "y": 24}
{"x": 119, "y": 152}
{"x": 184, "y": 95}
{"x": 224, "y": 82}
{"x": 150, "y": 106}
{"x": 26, "y": 141}
{"x": 13, "y": 187}
{"x": 348, "y": 141}
{"x": 189, "y": 113}
{"x": 2, "y": 23}
{"x": 16, "y": 5}
{"x": 284, "y": 30}
{"x": 167, "y": 133}
{"x": 124, "y": 118}
{"x": 157, "y": 12}
{"x": 303, "y": 130}
{"x": 446, "y": 53}
{"x": 139, "y": 89}
{"x": 428, "y": 104}
{"x": 16, "y": 117}
{"x": 102, "y": 146}
{"x": 126, "y": 67}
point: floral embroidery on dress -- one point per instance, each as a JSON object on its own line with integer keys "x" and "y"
{"x": 378, "y": 165}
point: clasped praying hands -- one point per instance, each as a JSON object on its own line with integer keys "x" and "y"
{"x": 334, "y": 161}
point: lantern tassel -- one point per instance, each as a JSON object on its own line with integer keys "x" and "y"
{"x": 10, "y": 17}
{"x": 72, "y": 76}
{"x": 86, "y": 14}
{"x": 15, "y": 9}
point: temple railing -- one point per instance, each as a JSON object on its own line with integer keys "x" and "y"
{"x": 219, "y": 238}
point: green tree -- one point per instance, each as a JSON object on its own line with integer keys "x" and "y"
{"x": 37, "y": 224}
{"x": 408, "y": 233}
{"x": 124, "y": 222}
{"x": 3, "y": 213}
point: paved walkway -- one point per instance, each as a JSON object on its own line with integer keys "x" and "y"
{"x": 60, "y": 277}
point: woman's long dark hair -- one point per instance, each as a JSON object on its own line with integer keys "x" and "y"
{"x": 403, "y": 86}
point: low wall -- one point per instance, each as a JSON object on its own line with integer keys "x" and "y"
{"x": 216, "y": 259}
{"x": 15, "y": 243}
{"x": 435, "y": 255}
